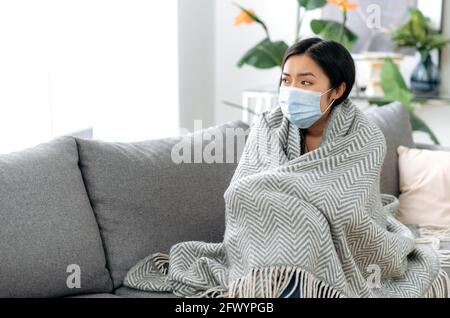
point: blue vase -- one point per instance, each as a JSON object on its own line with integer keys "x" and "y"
{"x": 425, "y": 77}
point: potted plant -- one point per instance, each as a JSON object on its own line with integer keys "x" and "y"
{"x": 418, "y": 32}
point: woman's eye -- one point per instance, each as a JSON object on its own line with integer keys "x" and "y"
{"x": 306, "y": 83}
{"x": 284, "y": 80}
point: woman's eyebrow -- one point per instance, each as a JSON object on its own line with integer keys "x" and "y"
{"x": 306, "y": 74}
{"x": 301, "y": 74}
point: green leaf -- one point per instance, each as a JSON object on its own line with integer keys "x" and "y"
{"x": 266, "y": 54}
{"x": 419, "y": 125}
{"x": 438, "y": 41}
{"x": 393, "y": 84}
{"x": 312, "y": 4}
{"x": 418, "y": 25}
{"x": 333, "y": 30}
{"x": 378, "y": 101}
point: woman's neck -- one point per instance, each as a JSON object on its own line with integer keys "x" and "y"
{"x": 316, "y": 130}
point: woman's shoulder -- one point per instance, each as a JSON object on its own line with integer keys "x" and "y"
{"x": 364, "y": 122}
{"x": 361, "y": 117}
{"x": 268, "y": 118}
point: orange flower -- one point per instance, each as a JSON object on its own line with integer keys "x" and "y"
{"x": 344, "y": 4}
{"x": 243, "y": 17}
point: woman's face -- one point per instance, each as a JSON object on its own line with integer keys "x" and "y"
{"x": 303, "y": 72}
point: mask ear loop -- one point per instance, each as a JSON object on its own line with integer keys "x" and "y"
{"x": 330, "y": 103}
{"x": 326, "y": 92}
{"x": 329, "y": 106}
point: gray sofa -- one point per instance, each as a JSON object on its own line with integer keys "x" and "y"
{"x": 76, "y": 214}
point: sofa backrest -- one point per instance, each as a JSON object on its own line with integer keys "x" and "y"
{"x": 50, "y": 241}
{"x": 145, "y": 201}
{"x": 394, "y": 122}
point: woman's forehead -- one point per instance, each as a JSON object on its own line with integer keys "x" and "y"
{"x": 302, "y": 65}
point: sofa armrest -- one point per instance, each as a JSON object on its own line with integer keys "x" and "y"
{"x": 420, "y": 145}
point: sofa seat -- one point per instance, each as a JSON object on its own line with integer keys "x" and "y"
{"x": 127, "y": 292}
{"x": 99, "y": 295}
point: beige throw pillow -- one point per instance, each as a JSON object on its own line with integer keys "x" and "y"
{"x": 424, "y": 186}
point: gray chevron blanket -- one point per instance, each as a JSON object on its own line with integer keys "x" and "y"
{"x": 316, "y": 219}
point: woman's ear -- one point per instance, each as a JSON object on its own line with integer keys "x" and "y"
{"x": 339, "y": 91}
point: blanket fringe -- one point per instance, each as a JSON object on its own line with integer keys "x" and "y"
{"x": 442, "y": 232}
{"x": 273, "y": 281}
{"x": 440, "y": 287}
{"x": 434, "y": 235}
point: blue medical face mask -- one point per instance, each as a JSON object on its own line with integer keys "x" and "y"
{"x": 301, "y": 107}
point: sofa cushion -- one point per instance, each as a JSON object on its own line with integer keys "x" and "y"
{"x": 393, "y": 120}
{"x": 145, "y": 202}
{"x": 47, "y": 224}
{"x": 424, "y": 187}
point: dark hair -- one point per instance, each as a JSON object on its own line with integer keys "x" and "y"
{"x": 334, "y": 59}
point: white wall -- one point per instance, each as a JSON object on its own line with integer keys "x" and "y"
{"x": 445, "y": 70}
{"x": 24, "y": 87}
{"x": 196, "y": 62}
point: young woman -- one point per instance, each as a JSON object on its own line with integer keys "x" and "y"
{"x": 316, "y": 76}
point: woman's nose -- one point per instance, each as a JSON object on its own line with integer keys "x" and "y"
{"x": 294, "y": 84}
